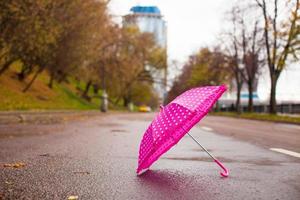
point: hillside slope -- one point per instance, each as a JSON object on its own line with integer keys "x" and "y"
{"x": 40, "y": 96}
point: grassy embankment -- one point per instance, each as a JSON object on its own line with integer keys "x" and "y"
{"x": 40, "y": 96}
{"x": 263, "y": 117}
{"x": 67, "y": 96}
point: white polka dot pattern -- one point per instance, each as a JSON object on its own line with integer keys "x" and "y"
{"x": 197, "y": 98}
{"x": 162, "y": 128}
{"x": 174, "y": 121}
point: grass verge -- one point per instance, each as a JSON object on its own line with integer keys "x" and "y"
{"x": 64, "y": 96}
{"x": 259, "y": 116}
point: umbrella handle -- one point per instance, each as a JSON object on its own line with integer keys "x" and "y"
{"x": 224, "y": 173}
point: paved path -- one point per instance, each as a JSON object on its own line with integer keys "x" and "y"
{"x": 96, "y": 159}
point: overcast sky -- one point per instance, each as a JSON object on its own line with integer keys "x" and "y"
{"x": 193, "y": 24}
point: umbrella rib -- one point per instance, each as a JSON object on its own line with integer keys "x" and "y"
{"x": 202, "y": 146}
{"x": 225, "y": 173}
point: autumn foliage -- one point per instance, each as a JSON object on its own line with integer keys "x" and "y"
{"x": 78, "y": 39}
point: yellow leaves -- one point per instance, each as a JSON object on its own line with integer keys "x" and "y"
{"x": 15, "y": 165}
{"x": 131, "y": 30}
{"x": 8, "y": 183}
{"x": 72, "y": 197}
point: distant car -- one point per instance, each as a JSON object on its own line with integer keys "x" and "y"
{"x": 144, "y": 109}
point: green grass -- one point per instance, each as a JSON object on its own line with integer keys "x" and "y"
{"x": 40, "y": 96}
{"x": 259, "y": 116}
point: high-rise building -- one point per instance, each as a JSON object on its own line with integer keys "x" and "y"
{"x": 149, "y": 19}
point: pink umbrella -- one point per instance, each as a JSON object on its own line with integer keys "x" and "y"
{"x": 174, "y": 121}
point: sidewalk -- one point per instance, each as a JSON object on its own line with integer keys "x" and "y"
{"x": 45, "y": 116}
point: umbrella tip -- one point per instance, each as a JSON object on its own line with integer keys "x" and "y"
{"x": 224, "y": 86}
{"x": 140, "y": 172}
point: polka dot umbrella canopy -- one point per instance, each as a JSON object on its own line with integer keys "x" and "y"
{"x": 174, "y": 121}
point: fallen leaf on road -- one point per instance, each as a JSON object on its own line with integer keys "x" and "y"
{"x": 46, "y": 155}
{"x": 72, "y": 197}
{"x": 14, "y": 165}
{"x": 8, "y": 182}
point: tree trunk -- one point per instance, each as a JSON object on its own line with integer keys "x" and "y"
{"x": 273, "y": 109}
{"x": 238, "y": 98}
{"x": 5, "y": 67}
{"x": 217, "y": 108}
{"x": 21, "y": 75}
{"x": 32, "y": 80}
{"x": 86, "y": 90}
{"x": 125, "y": 101}
{"x": 95, "y": 88}
{"x": 62, "y": 77}
{"x": 51, "y": 80}
{"x": 24, "y": 72}
{"x": 250, "y": 99}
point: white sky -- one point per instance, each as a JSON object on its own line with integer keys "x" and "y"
{"x": 193, "y": 24}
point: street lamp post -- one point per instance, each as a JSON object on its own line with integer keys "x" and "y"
{"x": 104, "y": 101}
{"x": 104, "y": 97}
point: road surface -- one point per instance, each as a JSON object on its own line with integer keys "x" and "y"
{"x": 96, "y": 158}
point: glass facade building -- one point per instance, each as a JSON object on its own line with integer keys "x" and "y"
{"x": 149, "y": 19}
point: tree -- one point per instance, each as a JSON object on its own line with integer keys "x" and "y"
{"x": 78, "y": 49}
{"x": 135, "y": 56}
{"x": 207, "y": 67}
{"x": 143, "y": 94}
{"x": 281, "y": 39}
{"x": 251, "y": 45}
{"x": 231, "y": 48}
{"x": 244, "y": 49}
{"x": 58, "y": 36}
{"x": 27, "y": 34}
{"x": 180, "y": 83}
{"x": 77, "y": 38}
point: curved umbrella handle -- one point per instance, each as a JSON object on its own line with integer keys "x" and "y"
{"x": 224, "y": 173}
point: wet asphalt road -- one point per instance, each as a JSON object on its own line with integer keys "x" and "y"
{"x": 96, "y": 158}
